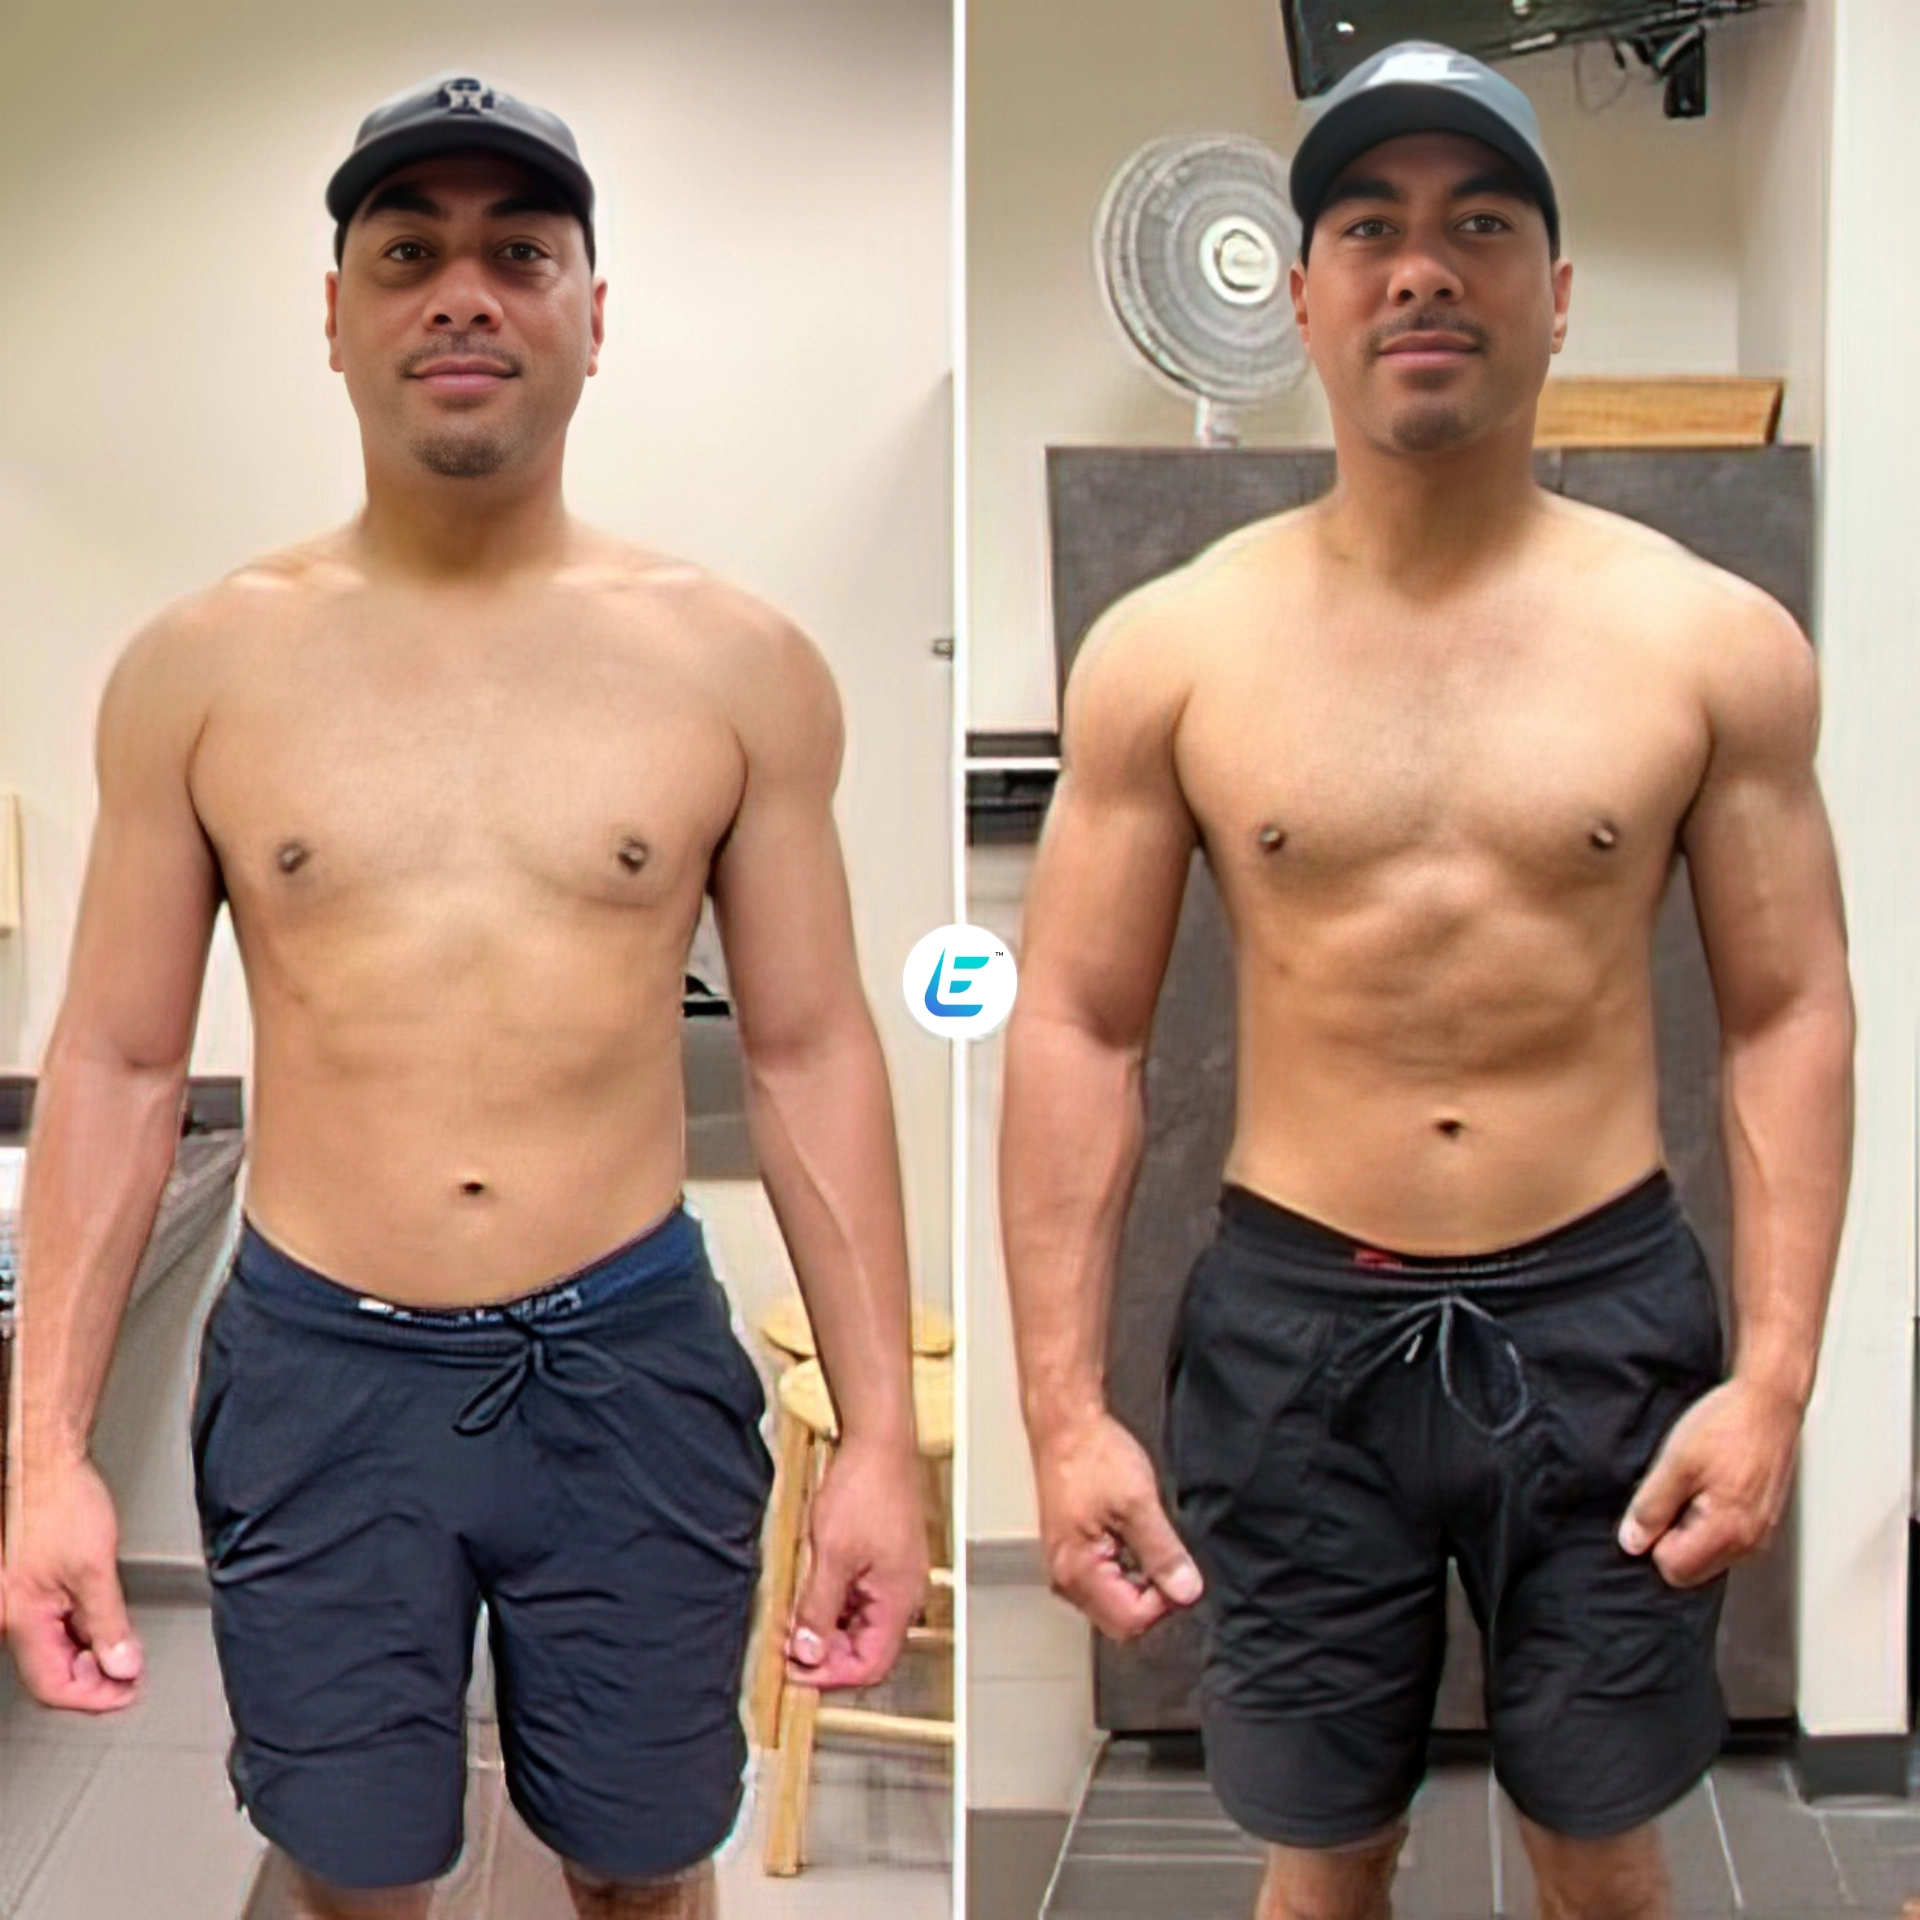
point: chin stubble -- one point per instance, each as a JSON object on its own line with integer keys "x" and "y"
{"x": 459, "y": 456}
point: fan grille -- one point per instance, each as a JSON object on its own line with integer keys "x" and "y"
{"x": 1195, "y": 238}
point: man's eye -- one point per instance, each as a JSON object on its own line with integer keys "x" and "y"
{"x": 1485, "y": 223}
{"x": 1368, "y": 229}
{"x": 523, "y": 251}
{"x": 406, "y": 251}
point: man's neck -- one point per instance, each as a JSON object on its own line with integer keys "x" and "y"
{"x": 429, "y": 528}
{"x": 1424, "y": 522}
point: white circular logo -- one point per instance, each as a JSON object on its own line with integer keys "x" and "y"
{"x": 960, "y": 982}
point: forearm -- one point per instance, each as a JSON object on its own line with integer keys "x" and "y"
{"x": 1787, "y": 1114}
{"x": 103, "y": 1141}
{"x": 1072, "y": 1133}
{"x": 821, "y": 1117}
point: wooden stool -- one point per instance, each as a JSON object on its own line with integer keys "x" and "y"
{"x": 793, "y": 1712}
{"x": 787, "y": 1330}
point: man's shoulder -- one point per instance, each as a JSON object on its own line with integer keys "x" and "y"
{"x": 1663, "y": 588}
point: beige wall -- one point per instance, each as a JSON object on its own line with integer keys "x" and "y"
{"x": 1657, "y": 221}
{"x": 775, "y": 401}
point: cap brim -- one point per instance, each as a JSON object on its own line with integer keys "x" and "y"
{"x": 1342, "y": 135}
{"x": 367, "y": 166}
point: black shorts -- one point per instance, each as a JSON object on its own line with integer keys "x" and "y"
{"x": 1344, "y": 1421}
{"x": 587, "y": 1460}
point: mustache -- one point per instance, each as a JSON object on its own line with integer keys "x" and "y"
{"x": 1470, "y": 330}
{"x": 459, "y": 346}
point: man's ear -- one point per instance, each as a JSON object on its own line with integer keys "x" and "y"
{"x": 333, "y": 320}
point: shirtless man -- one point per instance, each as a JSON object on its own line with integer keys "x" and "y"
{"x": 1441, "y": 736}
{"x": 464, "y": 772}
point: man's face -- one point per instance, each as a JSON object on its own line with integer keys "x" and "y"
{"x": 464, "y": 314}
{"x": 1429, "y": 299}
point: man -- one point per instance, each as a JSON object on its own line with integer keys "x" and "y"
{"x": 463, "y": 772}
{"x": 1441, "y": 736}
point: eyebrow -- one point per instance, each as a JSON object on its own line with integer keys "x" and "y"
{"x": 1508, "y": 186}
{"x": 402, "y": 198}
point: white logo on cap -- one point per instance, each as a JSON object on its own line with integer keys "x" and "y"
{"x": 1422, "y": 68}
{"x": 466, "y": 96}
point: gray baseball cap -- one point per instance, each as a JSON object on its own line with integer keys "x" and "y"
{"x": 450, "y": 113}
{"x": 1419, "y": 86}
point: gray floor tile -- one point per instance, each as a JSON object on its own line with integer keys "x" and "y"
{"x": 1446, "y": 1867}
{"x": 1879, "y": 1855}
{"x": 41, "y": 1786}
{"x": 155, "y": 1834}
{"x": 1121, "y": 1889}
{"x": 1780, "y": 1855}
{"x": 1010, "y": 1860}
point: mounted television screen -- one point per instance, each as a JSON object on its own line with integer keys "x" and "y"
{"x": 1325, "y": 38}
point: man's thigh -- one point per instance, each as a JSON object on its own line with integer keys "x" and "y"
{"x": 343, "y": 1610}
{"x": 620, "y": 1594}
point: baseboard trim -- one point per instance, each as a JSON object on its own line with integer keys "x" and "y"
{"x": 163, "y": 1581}
{"x": 1013, "y": 1562}
{"x": 1829, "y": 1766}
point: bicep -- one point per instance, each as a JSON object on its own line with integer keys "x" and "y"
{"x": 779, "y": 881}
{"x": 152, "y": 885}
{"x": 1760, "y": 855}
{"x": 1102, "y": 906}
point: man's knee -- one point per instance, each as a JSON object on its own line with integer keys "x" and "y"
{"x": 679, "y": 1896}
{"x": 1622, "y": 1878}
{"x": 1352, "y": 1882}
{"x": 316, "y": 1900}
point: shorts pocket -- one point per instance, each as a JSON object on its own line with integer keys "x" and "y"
{"x": 1247, "y": 1412}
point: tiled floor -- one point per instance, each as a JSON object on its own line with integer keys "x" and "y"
{"x": 131, "y": 1815}
{"x": 1150, "y": 1840}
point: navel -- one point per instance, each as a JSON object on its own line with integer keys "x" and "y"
{"x": 1450, "y": 1127}
{"x": 473, "y": 1189}
{"x": 631, "y": 853}
{"x": 291, "y": 855}
{"x": 1603, "y": 836}
{"x": 1270, "y": 838}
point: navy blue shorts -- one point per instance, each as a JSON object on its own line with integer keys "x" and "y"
{"x": 1343, "y": 1422}
{"x": 587, "y": 1460}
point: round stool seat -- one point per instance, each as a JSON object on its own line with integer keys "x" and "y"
{"x": 803, "y": 1393}
{"x": 786, "y": 1328}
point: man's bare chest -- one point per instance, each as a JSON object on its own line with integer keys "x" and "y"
{"x": 1564, "y": 770}
{"x": 343, "y": 778}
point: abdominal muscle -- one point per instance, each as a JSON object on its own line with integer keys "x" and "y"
{"x": 432, "y": 1149}
{"x": 1452, "y": 1101}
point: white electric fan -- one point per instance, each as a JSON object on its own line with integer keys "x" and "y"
{"x": 1194, "y": 239}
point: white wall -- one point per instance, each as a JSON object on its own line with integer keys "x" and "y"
{"x": 774, "y": 180}
{"x": 1856, "y": 1466}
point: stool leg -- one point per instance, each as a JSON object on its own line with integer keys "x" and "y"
{"x": 792, "y": 1782}
{"x": 786, "y": 1530}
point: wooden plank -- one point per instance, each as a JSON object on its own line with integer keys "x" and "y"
{"x": 1698, "y": 411}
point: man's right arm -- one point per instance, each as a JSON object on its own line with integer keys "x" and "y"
{"x": 1102, "y": 906}
{"x": 106, "y": 1123}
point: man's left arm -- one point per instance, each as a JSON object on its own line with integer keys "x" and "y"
{"x": 821, "y": 1118}
{"x": 1767, "y": 894}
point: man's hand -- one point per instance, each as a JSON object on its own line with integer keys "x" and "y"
{"x": 867, "y": 1575}
{"x": 67, "y": 1618}
{"x": 1719, "y": 1485}
{"x": 1110, "y": 1547}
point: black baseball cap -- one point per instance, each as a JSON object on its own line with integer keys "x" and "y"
{"x": 447, "y": 114}
{"x": 1419, "y": 86}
